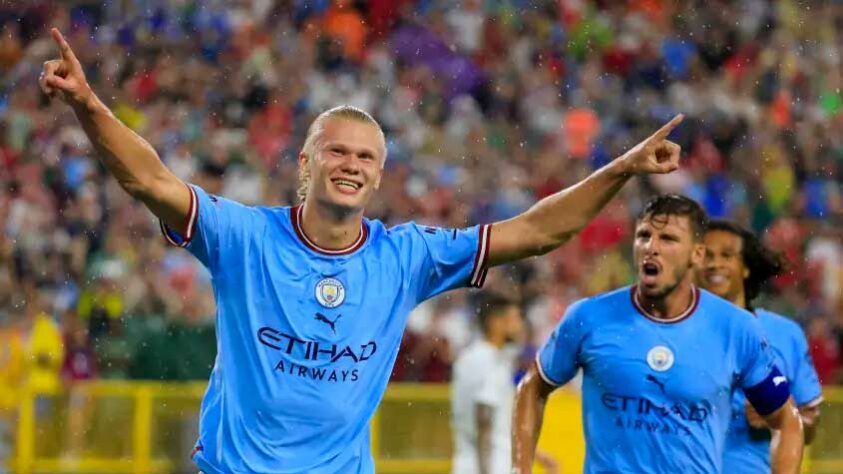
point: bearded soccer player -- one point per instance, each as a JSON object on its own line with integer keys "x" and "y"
{"x": 737, "y": 264}
{"x": 312, "y": 299}
{"x": 660, "y": 361}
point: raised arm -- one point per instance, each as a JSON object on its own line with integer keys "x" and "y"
{"x": 125, "y": 154}
{"x": 555, "y": 219}
{"x": 530, "y": 400}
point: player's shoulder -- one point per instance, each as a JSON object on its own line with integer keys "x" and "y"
{"x": 723, "y": 314}
{"x": 276, "y": 215}
{"x": 274, "y": 211}
{"x": 778, "y": 323}
{"x": 477, "y": 356}
{"x": 412, "y": 234}
{"x": 719, "y": 307}
{"x": 232, "y": 213}
{"x": 232, "y": 207}
{"x": 404, "y": 229}
{"x": 609, "y": 303}
{"x": 712, "y": 301}
{"x": 414, "y": 229}
{"x": 479, "y": 349}
{"x": 608, "y": 300}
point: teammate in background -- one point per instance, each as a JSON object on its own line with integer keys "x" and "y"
{"x": 482, "y": 389}
{"x": 736, "y": 266}
{"x": 660, "y": 362}
{"x": 312, "y": 300}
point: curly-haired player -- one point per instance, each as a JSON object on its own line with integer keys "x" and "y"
{"x": 737, "y": 265}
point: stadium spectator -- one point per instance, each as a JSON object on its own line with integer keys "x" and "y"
{"x": 43, "y": 349}
{"x": 79, "y": 364}
{"x": 79, "y": 359}
{"x": 825, "y": 351}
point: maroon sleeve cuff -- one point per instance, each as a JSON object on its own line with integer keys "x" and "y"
{"x": 173, "y": 237}
{"x": 481, "y": 260}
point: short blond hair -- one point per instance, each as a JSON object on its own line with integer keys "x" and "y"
{"x": 312, "y": 141}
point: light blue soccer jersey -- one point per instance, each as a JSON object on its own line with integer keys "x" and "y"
{"x": 307, "y": 337}
{"x": 747, "y": 449}
{"x": 656, "y": 393}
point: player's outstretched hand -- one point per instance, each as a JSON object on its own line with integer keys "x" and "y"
{"x": 64, "y": 77}
{"x": 656, "y": 154}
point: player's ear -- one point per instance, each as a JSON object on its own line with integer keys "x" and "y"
{"x": 378, "y": 178}
{"x": 698, "y": 254}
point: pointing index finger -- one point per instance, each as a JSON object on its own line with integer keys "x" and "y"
{"x": 663, "y": 132}
{"x": 64, "y": 48}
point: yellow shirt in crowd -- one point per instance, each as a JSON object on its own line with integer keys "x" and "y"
{"x": 44, "y": 354}
{"x": 11, "y": 366}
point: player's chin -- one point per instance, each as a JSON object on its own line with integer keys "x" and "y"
{"x": 652, "y": 289}
{"x": 350, "y": 201}
{"x": 719, "y": 290}
{"x": 648, "y": 289}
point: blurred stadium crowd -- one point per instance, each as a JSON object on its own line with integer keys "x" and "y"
{"x": 488, "y": 105}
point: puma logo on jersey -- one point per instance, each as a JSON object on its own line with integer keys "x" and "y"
{"x": 333, "y": 324}
{"x": 651, "y": 378}
{"x": 779, "y": 379}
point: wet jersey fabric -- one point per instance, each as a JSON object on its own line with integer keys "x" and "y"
{"x": 748, "y": 449}
{"x": 306, "y": 336}
{"x": 656, "y": 393}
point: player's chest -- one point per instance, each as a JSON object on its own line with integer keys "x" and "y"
{"x": 679, "y": 363}
{"x": 317, "y": 299}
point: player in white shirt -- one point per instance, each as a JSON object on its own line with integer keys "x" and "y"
{"x": 482, "y": 389}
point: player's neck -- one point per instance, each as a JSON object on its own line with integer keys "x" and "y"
{"x": 495, "y": 340}
{"x": 670, "y": 306}
{"x": 328, "y": 229}
{"x": 739, "y": 300}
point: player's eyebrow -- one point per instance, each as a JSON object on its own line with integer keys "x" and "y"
{"x": 359, "y": 150}
{"x": 366, "y": 151}
{"x": 669, "y": 236}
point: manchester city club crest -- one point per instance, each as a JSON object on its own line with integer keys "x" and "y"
{"x": 660, "y": 358}
{"x": 330, "y": 292}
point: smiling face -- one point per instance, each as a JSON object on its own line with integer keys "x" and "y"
{"x": 724, "y": 271}
{"x": 343, "y": 164}
{"x": 665, "y": 251}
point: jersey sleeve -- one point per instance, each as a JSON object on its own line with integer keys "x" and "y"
{"x": 805, "y": 386}
{"x": 766, "y": 388}
{"x": 755, "y": 359}
{"x": 559, "y": 357}
{"x": 213, "y": 225}
{"x": 444, "y": 259}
